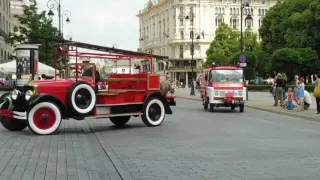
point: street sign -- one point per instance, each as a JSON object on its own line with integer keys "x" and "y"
{"x": 243, "y": 58}
{"x": 243, "y": 64}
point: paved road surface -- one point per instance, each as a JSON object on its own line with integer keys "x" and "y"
{"x": 191, "y": 144}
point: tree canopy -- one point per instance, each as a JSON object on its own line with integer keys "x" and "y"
{"x": 33, "y": 28}
{"x": 227, "y": 42}
{"x": 293, "y": 24}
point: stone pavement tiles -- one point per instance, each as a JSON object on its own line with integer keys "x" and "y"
{"x": 191, "y": 144}
{"x": 73, "y": 154}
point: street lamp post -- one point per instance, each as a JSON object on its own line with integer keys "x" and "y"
{"x": 248, "y": 17}
{"x": 192, "y": 93}
{"x": 243, "y": 5}
{"x": 56, "y": 4}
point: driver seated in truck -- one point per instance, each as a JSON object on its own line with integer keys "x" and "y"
{"x": 87, "y": 71}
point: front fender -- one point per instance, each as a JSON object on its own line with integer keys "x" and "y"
{"x": 43, "y": 98}
{"x": 162, "y": 98}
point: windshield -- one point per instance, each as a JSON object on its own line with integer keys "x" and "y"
{"x": 84, "y": 70}
{"x": 226, "y": 76}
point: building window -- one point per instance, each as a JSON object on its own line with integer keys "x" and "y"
{"x": 181, "y": 51}
{"x": 234, "y": 1}
{"x": 181, "y": 9}
{"x": 191, "y": 9}
{"x": 182, "y": 34}
{"x": 259, "y": 22}
{"x": 263, "y": 2}
{"x": 191, "y": 34}
{"x": 191, "y": 22}
{"x": 234, "y": 23}
{"x": 181, "y": 21}
{"x": 220, "y": 21}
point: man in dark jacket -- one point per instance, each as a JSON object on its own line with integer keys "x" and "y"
{"x": 88, "y": 72}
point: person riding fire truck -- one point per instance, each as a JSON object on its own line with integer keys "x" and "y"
{"x": 223, "y": 86}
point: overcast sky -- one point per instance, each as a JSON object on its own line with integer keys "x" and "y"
{"x": 102, "y": 22}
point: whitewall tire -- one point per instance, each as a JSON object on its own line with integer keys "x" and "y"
{"x": 73, "y": 95}
{"x": 44, "y": 118}
{"x": 153, "y": 112}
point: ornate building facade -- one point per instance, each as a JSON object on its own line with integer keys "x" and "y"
{"x": 5, "y": 28}
{"x": 166, "y": 27}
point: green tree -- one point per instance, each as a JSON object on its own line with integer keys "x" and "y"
{"x": 264, "y": 64}
{"x": 34, "y": 28}
{"x": 271, "y": 31}
{"x": 309, "y": 63}
{"x": 250, "y": 70}
{"x": 287, "y": 60}
{"x": 227, "y": 42}
{"x": 250, "y": 41}
{"x": 291, "y": 23}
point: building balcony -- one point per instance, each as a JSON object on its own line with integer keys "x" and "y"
{"x": 184, "y": 69}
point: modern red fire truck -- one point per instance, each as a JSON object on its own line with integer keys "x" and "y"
{"x": 223, "y": 86}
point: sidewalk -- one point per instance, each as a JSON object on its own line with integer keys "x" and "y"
{"x": 261, "y": 101}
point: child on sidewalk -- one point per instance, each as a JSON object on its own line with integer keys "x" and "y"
{"x": 301, "y": 94}
{"x": 290, "y": 105}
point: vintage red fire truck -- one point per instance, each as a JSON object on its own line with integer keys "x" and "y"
{"x": 223, "y": 86}
{"x": 42, "y": 104}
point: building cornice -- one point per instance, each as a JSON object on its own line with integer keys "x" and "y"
{"x": 146, "y": 10}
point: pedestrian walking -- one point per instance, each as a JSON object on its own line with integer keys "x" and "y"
{"x": 316, "y": 92}
{"x": 296, "y": 84}
{"x": 285, "y": 81}
{"x": 279, "y": 90}
{"x": 301, "y": 94}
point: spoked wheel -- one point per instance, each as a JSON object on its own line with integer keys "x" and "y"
{"x": 120, "y": 120}
{"x": 153, "y": 112}
{"x": 8, "y": 122}
{"x": 44, "y": 118}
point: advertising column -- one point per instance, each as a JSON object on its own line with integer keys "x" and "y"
{"x": 27, "y": 62}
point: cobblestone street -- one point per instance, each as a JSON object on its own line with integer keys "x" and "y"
{"x": 190, "y": 144}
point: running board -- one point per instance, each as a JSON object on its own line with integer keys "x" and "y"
{"x": 123, "y": 104}
{"x": 114, "y": 115}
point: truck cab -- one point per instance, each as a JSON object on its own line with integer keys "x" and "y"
{"x": 223, "y": 86}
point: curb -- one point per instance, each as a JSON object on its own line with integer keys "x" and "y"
{"x": 269, "y": 110}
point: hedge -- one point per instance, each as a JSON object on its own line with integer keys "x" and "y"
{"x": 255, "y": 87}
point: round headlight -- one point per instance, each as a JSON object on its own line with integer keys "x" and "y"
{"x": 15, "y": 94}
{"x": 240, "y": 93}
{"x": 28, "y": 95}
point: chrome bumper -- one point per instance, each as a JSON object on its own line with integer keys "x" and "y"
{"x": 13, "y": 114}
{"x": 20, "y": 115}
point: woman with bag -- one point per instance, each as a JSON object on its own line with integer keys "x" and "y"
{"x": 316, "y": 92}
